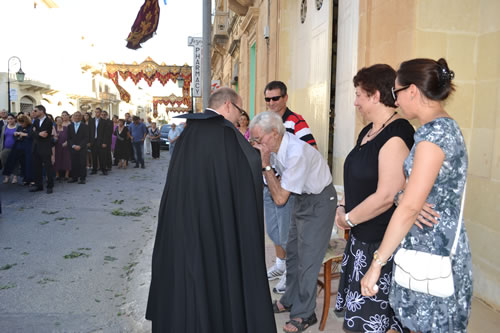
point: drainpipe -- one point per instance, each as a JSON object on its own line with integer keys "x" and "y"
{"x": 206, "y": 61}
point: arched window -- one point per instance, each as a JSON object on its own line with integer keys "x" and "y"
{"x": 27, "y": 104}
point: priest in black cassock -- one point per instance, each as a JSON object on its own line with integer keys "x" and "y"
{"x": 208, "y": 272}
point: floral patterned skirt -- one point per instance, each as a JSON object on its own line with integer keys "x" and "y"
{"x": 364, "y": 314}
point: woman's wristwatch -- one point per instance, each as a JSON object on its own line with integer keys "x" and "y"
{"x": 348, "y": 221}
{"x": 267, "y": 168}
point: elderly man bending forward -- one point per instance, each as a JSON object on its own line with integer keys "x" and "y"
{"x": 305, "y": 173}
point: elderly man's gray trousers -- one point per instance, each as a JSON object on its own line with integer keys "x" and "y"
{"x": 310, "y": 231}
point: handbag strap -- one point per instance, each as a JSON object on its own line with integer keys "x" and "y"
{"x": 459, "y": 226}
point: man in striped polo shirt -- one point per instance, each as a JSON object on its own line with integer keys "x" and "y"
{"x": 278, "y": 217}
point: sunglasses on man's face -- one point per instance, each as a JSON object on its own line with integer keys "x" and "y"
{"x": 274, "y": 98}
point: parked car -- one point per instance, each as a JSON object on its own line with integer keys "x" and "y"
{"x": 164, "y": 144}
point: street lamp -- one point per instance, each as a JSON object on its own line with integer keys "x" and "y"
{"x": 19, "y": 76}
{"x": 180, "y": 81}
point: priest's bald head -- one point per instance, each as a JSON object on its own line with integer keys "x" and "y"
{"x": 227, "y": 103}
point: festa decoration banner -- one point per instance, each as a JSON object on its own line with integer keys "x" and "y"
{"x": 145, "y": 24}
{"x": 173, "y": 101}
{"x": 150, "y": 71}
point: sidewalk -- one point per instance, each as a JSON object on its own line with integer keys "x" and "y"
{"x": 483, "y": 318}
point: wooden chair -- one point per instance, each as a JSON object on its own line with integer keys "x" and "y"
{"x": 331, "y": 262}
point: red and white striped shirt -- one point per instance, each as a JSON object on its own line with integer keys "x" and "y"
{"x": 295, "y": 124}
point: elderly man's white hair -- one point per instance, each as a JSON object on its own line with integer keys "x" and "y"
{"x": 268, "y": 121}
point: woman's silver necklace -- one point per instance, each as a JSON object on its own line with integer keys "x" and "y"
{"x": 381, "y": 128}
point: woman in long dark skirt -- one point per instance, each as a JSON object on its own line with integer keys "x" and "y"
{"x": 122, "y": 145}
{"x": 62, "y": 153}
{"x": 154, "y": 134}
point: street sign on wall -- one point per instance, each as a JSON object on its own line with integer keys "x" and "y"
{"x": 13, "y": 94}
{"x": 196, "y": 42}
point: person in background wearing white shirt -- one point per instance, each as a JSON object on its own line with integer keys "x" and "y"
{"x": 173, "y": 135}
{"x": 305, "y": 173}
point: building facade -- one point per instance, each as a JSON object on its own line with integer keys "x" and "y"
{"x": 317, "y": 46}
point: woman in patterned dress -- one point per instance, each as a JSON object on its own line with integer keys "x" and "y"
{"x": 436, "y": 171}
{"x": 373, "y": 174}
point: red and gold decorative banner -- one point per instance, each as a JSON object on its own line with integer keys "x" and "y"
{"x": 124, "y": 95}
{"x": 151, "y": 71}
{"x": 173, "y": 101}
{"x": 145, "y": 24}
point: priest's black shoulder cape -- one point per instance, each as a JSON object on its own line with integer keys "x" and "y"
{"x": 209, "y": 272}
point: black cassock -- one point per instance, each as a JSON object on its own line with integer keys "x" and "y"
{"x": 209, "y": 272}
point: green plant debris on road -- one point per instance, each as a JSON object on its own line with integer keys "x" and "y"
{"x": 7, "y": 266}
{"x": 62, "y": 218}
{"x": 137, "y": 212}
{"x": 118, "y": 202}
{"x": 50, "y": 212}
{"x": 110, "y": 258}
{"x": 46, "y": 280}
{"x": 8, "y": 286}
{"x": 75, "y": 254}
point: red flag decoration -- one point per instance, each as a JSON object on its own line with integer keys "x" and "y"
{"x": 145, "y": 24}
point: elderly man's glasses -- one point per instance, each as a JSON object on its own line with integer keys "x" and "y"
{"x": 239, "y": 109}
{"x": 395, "y": 91}
{"x": 274, "y": 98}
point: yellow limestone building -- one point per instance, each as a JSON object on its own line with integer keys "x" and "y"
{"x": 317, "y": 46}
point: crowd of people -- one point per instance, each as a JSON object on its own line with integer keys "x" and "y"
{"x": 38, "y": 150}
{"x": 402, "y": 191}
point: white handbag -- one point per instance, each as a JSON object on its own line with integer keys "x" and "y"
{"x": 425, "y": 272}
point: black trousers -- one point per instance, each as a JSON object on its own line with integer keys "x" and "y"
{"x": 41, "y": 161}
{"x": 109, "y": 158}
{"x": 155, "y": 147}
{"x": 98, "y": 157}
{"x": 79, "y": 163}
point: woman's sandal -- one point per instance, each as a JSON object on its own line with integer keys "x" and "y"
{"x": 276, "y": 308}
{"x": 303, "y": 325}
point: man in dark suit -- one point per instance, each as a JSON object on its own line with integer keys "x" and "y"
{"x": 109, "y": 136}
{"x": 100, "y": 139}
{"x": 78, "y": 137}
{"x": 42, "y": 149}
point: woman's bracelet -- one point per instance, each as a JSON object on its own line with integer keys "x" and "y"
{"x": 341, "y": 206}
{"x": 376, "y": 258}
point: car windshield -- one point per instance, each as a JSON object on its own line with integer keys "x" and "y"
{"x": 165, "y": 129}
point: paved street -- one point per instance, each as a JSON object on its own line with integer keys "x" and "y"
{"x": 79, "y": 260}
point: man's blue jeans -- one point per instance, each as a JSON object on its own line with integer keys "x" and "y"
{"x": 138, "y": 152}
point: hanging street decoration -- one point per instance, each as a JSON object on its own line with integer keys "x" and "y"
{"x": 145, "y": 24}
{"x": 150, "y": 71}
{"x": 173, "y": 101}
